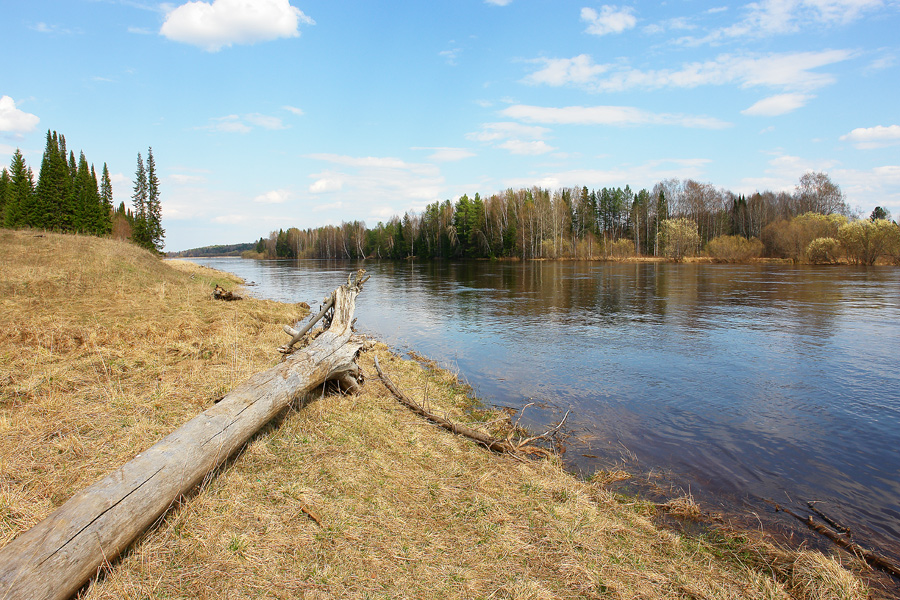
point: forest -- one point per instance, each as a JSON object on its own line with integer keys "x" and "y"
{"x": 68, "y": 197}
{"x": 675, "y": 219}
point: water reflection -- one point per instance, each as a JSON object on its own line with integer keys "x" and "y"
{"x": 744, "y": 381}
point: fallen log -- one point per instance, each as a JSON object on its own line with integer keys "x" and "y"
{"x": 53, "y": 559}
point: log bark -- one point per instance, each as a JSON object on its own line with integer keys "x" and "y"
{"x": 53, "y": 559}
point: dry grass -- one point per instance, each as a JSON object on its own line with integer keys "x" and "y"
{"x": 344, "y": 497}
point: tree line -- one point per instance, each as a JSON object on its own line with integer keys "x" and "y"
{"x": 68, "y": 197}
{"x": 676, "y": 218}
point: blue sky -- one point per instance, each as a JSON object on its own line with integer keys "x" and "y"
{"x": 267, "y": 113}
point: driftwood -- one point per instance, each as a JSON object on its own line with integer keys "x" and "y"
{"x": 57, "y": 556}
{"x": 842, "y": 539}
{"x": 504, "y": 446}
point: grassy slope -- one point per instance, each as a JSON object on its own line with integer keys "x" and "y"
{"x": 105, "y": 349}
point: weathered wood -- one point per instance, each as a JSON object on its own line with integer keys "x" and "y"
{"x": 57, "y": 556}
{"x": 296, "y": 335}
{"x": 497, "y": 445}
{"x": 873, "y": 559}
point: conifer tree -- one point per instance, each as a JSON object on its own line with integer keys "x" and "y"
{"x": 19, "y": 192}
{"x": 140, "y": 233}
{"x": 106, "y": 200}
{"x": 52, "y": 208}
{"x": 4, "y": 185}
{"x": 156, "y": 233}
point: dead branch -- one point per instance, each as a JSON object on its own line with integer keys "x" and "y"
{"x": 874, "y": 560}
{"x": 482, "y": 438}
{"x": 506, "y": 446}
{"x": 829, "y": 520}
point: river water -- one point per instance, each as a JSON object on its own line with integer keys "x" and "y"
{"x": 738, "y": 382}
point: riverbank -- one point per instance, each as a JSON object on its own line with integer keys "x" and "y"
{"x": 105, "y": 349}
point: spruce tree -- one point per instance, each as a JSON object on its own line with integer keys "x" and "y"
{"x": 106, "y": 200}
{"x": 52, "y": 208}
{"x": 19, "y": 192}
{"x": 156, "y": 233}
{"x": 140, "y": 233}
{"x": 4, "y": 185}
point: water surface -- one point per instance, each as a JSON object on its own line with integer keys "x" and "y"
{"x": 739, "y": 382}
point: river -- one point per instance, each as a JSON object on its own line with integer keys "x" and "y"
{"x": 738, "y": 382}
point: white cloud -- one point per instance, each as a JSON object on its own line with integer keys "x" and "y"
{"x": 369, "y": 181}
{"x": 273, "y": 197}
{"x": 184, "y": 179}
{"x": 579, "y": 70}
{"x": 515, "y": 137}
{"x": 448, "y": 154}
{"x": 610, "y": 19}
{"x": 607, "y": 115}
{"x": 874, "y": 137}
{"x": 265, "y": 121}
{"x": 244, "y": 123}
{"x": 450, "y": 56}
{"x": 532, "y": 148}
{"x": 788, "y": 71}
{"x": 222, "y": 23}
{"x": 326, "y": 184}
{"x": 498, "y": 2}
{"x": 639, "y": 176}
{"x": 773, "y": 17}
{"x": 294, "y": 110}
{"x": 778, "y": 105}
{"x": 14, "y": 120}
{"x": 229, "y": 219}
{"x": 493, "y": 132}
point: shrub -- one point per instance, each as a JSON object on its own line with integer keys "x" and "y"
{"x": 734, "y": 248}
{"x": 823, "y": 251}
{"x": 865, "y": 241}
{"x": 791, "y": 238}
{"x": 679, "y": 238}
{"x": 622, "y": 248}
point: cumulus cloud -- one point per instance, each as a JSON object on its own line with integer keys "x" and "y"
{"x": 610, "y": 19}
{"x": 778, "y": 105}
{"x": 273, "y": 197}
{"x": 14, "y": 120}
{"x": 874, "y": 137}
{"x": 789, "y": 71}
{"x": 294, "y": 110}
{"x": 326, "y": 184}
{"x": 219, "y": 24}
{"x": 607, "y": 115}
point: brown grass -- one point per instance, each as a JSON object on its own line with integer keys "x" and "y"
{"x": 104, "y": 349}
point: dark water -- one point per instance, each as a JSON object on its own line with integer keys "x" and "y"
{"x": 739, "y": 382}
